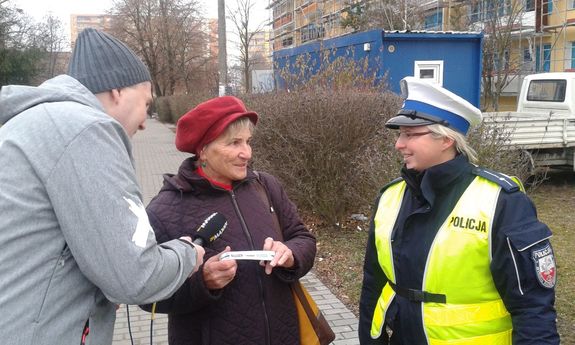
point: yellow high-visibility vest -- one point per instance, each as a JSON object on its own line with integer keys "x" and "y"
{"x": 457, "y": 266}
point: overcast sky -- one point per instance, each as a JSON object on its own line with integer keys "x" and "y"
{"x": 64, "y": 8}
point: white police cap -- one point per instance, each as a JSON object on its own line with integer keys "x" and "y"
{"x": 427, "y": 103}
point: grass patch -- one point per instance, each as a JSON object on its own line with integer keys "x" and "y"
{"x": 339, "y": 261}
{"x": 555, "y": 200}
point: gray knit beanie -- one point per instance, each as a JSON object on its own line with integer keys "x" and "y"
{"x": 101, "y": 63}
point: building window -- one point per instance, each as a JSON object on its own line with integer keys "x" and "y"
{"x": 528, "y": 61}
{"x": 282, "y": 7}
{"x": 546, "y": 65}
{"x": 501, "y": 64}
{"x": 474, "y": 12}
{"x": 488, "y": 9}
{"x": 526, "y": 55}
{"x": 571, "y": 4}
{"x": 311, "y": 32}
{"x": 570, "y": 56}
{"x": 430, "y": 70}
{"x": 434, "y": 21}
{"x": 331, "y": 22}
{"x": 548, "y": 6}
{"x": 288, "y": 41}
{"x": 529, "y": 5}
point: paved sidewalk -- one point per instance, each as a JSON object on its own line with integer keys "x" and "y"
{"x": 155, "y": 154}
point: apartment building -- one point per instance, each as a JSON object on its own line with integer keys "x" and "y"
{"x": 542, "y": 33}
{"x": 556, "y": 43}
{"x": 296, "y": 22}
{"x": 212, "y": 40}
{"x": 260, "y": 49}
{"x": 79, "y": 22}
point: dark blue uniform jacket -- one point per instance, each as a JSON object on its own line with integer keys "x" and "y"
{"x": 429, "y": 199}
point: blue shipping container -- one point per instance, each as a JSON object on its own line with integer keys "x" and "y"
{"x": 452, "y": 58}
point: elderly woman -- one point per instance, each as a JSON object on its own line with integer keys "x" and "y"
{"x": 455, "y": 254}
{"x": 229, "y": 301}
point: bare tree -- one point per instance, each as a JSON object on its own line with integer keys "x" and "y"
{"x": 51, "y": 37}
{"x": 240, "y": 17}
{"x": 500, "y": 22}
{"x": 170, "y": 37}
{"x": 6, "y": 22}
{"x": 16, "y": 27}
{"x": 383, "y": 14}
{"x": 21, "y": 49}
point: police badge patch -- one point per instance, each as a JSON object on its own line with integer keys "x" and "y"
{"x": 545, "y": 268}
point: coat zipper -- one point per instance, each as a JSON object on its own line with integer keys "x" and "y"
{"x": 58, "y": 264}
{"x": 260, "y": 285}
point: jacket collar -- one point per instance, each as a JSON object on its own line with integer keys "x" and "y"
{"x": 434, "y": 180}
{"x": 188, "y": 180}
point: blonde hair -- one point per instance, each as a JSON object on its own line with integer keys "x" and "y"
{"x": 461, "y": 144}
{"x": 238, "y": 125}
{"x": 235, "y": 127}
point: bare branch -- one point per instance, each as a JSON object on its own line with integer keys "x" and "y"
{"x": 168, "y": 34}
{"x": 240, "y": 17}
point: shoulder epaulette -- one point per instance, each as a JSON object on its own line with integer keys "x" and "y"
{"x": 508, "y": 184}
{"x": 399, "y": 179}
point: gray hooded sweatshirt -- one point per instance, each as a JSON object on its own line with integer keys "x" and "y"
{"x": 74, "y": 235}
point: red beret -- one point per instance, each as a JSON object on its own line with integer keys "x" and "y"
{"x": 203, "y": 124}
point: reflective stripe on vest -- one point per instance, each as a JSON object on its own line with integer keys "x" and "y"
{"x": 457, "y": 266}
{"x": 389, "y": 203}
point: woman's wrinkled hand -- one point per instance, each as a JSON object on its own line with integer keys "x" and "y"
{"x": 218, "y": 274}
{"x": 283, "y": 255}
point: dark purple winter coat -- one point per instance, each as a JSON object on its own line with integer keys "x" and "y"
{"x": 254, "y": 308}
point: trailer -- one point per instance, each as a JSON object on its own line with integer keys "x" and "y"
{"x": 544, "y": 124}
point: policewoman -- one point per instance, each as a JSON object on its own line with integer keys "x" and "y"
{"x": 456, "y": 254}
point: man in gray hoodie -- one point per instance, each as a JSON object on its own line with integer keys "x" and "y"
{"x": 74, "y": 235}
